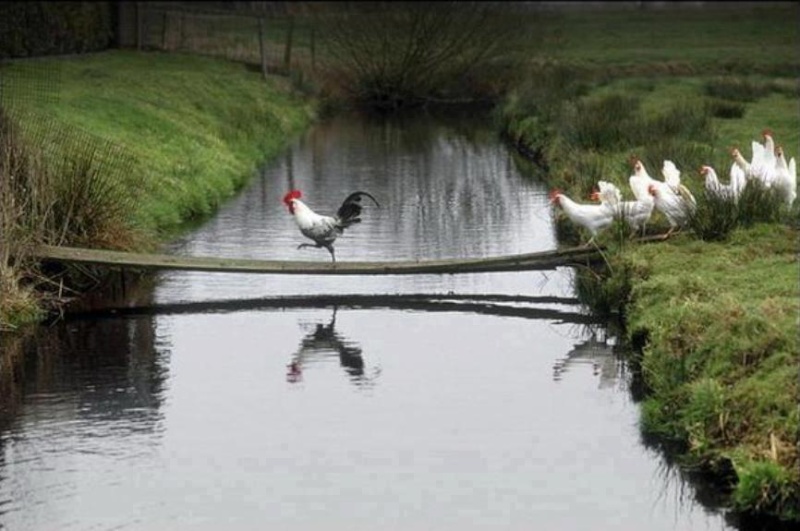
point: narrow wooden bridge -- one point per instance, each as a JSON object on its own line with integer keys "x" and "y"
{"x": 519, "y": 262}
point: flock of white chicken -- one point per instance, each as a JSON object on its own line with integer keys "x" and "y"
{"x": 767, "y": 165}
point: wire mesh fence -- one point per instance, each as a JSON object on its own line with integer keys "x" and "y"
{"x": 272, "y": 36}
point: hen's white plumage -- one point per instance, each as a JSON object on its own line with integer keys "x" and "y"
{"x": 676, "y": 208}
{"x": 671, "y": 174}
{"x": 635, "y": 213}
{"x": 785, "y": 178}
{"x": 762, "y": 164}
{"x": 640, "y": 181}
{"x": 592, "y": 217}
{"x": 714, "y": 186}
{"x": 740, "y": 166}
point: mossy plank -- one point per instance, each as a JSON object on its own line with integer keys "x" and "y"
{"x": 518, "y": 262}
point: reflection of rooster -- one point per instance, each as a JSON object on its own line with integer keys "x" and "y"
{"x": 323, "y": 340}
{"x": 324, "y": 230}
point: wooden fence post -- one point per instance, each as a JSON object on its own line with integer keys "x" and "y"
{"x": 164, "y": 30}
{"x": 287, "y": 55}
{"x": 314, "y": 43}
{"x": 139, "y": 24}
{"x": 262, "y": 46}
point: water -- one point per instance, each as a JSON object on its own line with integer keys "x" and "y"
{"x": 482, "y": 401}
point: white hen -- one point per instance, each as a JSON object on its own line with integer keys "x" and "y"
{"x": 672, "y": 175}
{"x": 635, "y": 213}
{"x": 676, "y": 208}
{"x": 592, "y": 217}
{"x": 785, "y": 178}
{"x": 762, "y": 163}
{"x": 640, "y": 181}
{"x": 730, "y": 191}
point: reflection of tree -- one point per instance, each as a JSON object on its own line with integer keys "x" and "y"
{"x": 323, "y": 341}
{"x": 108, "y": 369}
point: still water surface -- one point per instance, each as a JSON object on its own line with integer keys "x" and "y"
{"x": 483, "y": 401}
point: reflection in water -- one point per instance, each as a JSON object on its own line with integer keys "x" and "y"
{"x": 83, "y": 392}
{"x": 598, "y": 351}
{"x": 324, "y": 341}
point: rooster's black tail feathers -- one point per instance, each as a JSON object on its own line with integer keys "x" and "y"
{"x": 351, "y": 208}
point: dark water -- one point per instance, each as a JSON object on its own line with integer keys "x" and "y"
{"x": 484, "y": 401}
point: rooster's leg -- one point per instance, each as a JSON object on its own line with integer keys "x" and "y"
{"x": 330, "y": 250}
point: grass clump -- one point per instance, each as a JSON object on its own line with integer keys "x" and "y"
{"x": 736, "y": 89}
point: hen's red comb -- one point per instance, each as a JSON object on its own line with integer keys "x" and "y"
{"x": 294, "y": 194}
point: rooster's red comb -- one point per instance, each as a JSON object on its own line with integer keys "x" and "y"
{"x": 553, "y": 193}
{"x": 294, "y": 194}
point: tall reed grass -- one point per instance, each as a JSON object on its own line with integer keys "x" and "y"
{"x": 68, "y": 200}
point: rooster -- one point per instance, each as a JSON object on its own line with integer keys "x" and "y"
{"x": 324, "y": 230}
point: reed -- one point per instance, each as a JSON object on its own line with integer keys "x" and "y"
{"x": 715, "y": 218}
{"x": 72, "y": 199}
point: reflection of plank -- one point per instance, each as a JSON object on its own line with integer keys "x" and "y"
{"x": 416, "y": 302}
{"x": 517, "y": 262}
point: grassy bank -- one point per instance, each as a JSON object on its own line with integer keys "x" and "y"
{"x": 169, "y": 136}
{"x": 714, "y": 323}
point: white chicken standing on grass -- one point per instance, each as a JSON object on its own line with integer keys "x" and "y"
{"x": 640, "y": 181}
{"x": 592, "y": 217}
{"x": 324, "y": 230}
{"x": 761, "y": 166}
{"x": 713, "y": 186}
{"x": 677, "y": 208}
{"x": 635, "y": 213}
{"x": 785, "y": 177}
{"x": 672, "y": 175}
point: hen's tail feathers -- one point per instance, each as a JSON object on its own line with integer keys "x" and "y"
{"x": 351, "y": 208}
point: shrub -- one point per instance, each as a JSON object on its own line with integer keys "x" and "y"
{"x": 391, "y": 54}
{"x": 736, "y": 89}
{"x": 51, "y": 28}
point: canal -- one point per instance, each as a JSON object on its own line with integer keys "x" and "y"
{"x": 474, "y": 401}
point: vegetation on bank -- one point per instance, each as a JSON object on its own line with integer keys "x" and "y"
{"x": 713, "y": 314}
{"x": 119, "y": 148}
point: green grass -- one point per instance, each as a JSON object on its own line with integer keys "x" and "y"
{"x": 758, "y": 39}
{"x": 721, "y": 357}
{"x": 193, "y": 128}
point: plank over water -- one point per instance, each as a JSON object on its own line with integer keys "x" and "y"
{"x": 518, "y": 262}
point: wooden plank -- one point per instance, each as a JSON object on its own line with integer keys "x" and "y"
{"x": 519, "y": 262}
